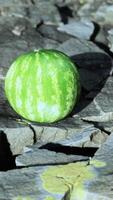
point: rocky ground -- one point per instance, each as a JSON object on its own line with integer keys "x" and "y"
{"x": 73, "y": 158}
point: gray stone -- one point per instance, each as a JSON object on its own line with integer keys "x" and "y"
{"x": 106, "y": 126}
{"x": 36, "y": 156}
{"x": 30, "y": 178}
{"x": 10, "y": 122}
{"x": 6, "y": 109}
{"x": 110, "y": 39}
{"x": 14, "y": 45}
{"x": 101, "y": 35}
{"x": 104, "y": 14}
{"x": 45, "y": 11}
{"x": 102, "y": 104}
{"x": 82, "y": 138}
{"x": 104, "y": 154}
{"x": 71, "y": 132}
{"x": 79, "y": 29}
{"x": 75, "y": 46}
{"x": 99, "y": 11}
{"x": 33, "y": 12}
{"x": 97, "y": 139}
{"x": 51, "y": 32}
{"x": 104, "y": 181}
{"x": 11, "y": 49}
{"x": 18, "y": 138}
{"x": 18, "y": 135}
{"x": 12, "y": 184}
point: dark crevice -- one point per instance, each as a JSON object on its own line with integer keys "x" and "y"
{"x": 85, "y": 151}
{"x": 54, "y": 164}
{"x": 95, "y": 62}
{"x": 64, "y": 12}
{"x": 46, "y": 36}
{"x": 27, "y": 11}
{"x": 38, "y": 25}
{"x": 104, "y": 47}
{"x": 98, "y": 126}
{"x": 34, "y": 133}
{"x": 95, "y": 32}
{"x": 7, "y": 160}
{"x": 33, "y": 2}
{"x": 99, "y": 44}
{"x": 20, "y": 120}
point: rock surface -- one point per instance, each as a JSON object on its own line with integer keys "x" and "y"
{"x": 76, "y": 29}
{"x": 70, "y": 159}
{"x": 102, "y": 103}
{"x": 105, "y": 177}
{"x": 110, "y": 39}
{"x": 45, "y": 157}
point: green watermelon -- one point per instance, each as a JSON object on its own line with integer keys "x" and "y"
{"x": 43, "y": 85}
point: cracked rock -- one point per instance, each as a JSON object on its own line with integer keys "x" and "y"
{"x": 82, "y": 138}
{"x": 45, "y": 157}
{"x": 101, "y": 104}
{"x": 18, "y": 135}
{"x": 69, "y": 132}
{"x": 41, "y": 182}
{"x": 104, "y": 181}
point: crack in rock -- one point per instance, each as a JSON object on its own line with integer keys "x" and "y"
{"x": 106, "y": 117}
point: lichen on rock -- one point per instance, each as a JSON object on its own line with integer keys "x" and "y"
{"x": 22, "y": 198}
{"x": 50, "y": 198}
{"x": 68, "y": 179}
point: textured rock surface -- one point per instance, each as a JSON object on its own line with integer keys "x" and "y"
{"x": 12, "y": 183}
{"x": 76, "y": 29}
{"x": 75, "y": 46}
{"x": 102, "y": 103}
{"x": 84, "y": 139}
{"x": 71, "y": 132}
{"x": 110, "y": 39}
{"x": 104, "y": 179}
{"x": 18, "y": 135}
{"x": 36, "y": 156}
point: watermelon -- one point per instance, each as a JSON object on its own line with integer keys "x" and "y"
{"x": 42, "y": 85}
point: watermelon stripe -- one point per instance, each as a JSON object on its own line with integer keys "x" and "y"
{"x": 30, "y": 95}
{"x": 13, "y": 83}
{"x": 55, "y": 83}
{"x": 24, "y": 73}
{"x": 39, "y": 87}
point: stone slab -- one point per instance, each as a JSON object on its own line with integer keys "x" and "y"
{"x": 102, "y": 103}
{"x": 35, "y": 156}
{"x": 76, "y": 28}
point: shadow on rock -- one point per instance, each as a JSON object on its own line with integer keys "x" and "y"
{"x": 85, "y": 151}
{"x": 94, "y": 69}
{"x": 7, "y": 160}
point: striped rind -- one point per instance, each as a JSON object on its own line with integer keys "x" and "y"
{"x": 42, "y": 86}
